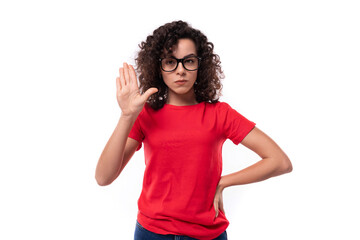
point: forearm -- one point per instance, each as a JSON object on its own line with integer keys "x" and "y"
{"x": 111, "y": 158}
{"x": 264, "y": 169}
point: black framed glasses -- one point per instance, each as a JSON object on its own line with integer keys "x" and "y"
{"x": 190, "y": 63}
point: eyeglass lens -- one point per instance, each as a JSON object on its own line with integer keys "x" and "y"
{"x": 189, "y": 63}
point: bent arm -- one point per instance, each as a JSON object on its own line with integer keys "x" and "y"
{"x": 116, "y": 153}
{"x": 274, "y": 161}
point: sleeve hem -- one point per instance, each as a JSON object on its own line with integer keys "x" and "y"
{"x": 246, "y": 132}
{"x": 138, "y": 140}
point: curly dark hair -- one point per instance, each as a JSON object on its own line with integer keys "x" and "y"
{"x": 208, "y": 87}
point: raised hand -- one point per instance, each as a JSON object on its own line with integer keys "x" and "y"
{"x": 128, "y": 94}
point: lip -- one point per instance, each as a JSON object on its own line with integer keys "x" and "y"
{"x": 180, "y": 82}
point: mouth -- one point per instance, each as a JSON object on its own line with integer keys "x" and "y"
{"x": 180, "y": 82}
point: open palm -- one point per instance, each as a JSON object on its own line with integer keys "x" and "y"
{"x": 128, "y": 94}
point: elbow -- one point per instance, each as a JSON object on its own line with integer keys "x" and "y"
{"x": 286, "y": 166}
{"x": 102, "y": 181}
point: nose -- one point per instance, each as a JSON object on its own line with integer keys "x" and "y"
{"x": 180, "y": 69}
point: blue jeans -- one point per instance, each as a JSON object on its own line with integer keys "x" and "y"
{"x": 143, "y": 234}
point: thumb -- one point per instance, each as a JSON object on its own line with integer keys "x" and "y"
{"x": 149, "y": 92}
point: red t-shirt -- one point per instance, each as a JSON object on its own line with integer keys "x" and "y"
{"x": 183, "y": 158}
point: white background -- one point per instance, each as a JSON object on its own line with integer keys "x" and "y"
{"x": 291, "y": 66}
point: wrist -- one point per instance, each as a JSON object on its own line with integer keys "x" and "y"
{"x": 221, "y": 184}
{"x": 128, "y": 117}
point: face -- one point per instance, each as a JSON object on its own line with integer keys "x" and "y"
{"x": 185, "y": 90}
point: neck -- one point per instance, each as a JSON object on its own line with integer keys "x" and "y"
{"x": 181, "y": 100}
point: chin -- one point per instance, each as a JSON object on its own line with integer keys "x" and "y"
{"x": 181, "y": 91}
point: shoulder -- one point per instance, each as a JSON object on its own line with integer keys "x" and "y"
{"x": 220, "y": 109}
{"x": 147, "y": 108}
{"x": 221, "y": 106}
{"x": 144, "y": 112}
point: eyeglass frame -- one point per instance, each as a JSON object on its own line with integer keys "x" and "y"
{"x": 182, "y": 62}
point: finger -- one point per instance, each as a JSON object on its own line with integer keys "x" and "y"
{"x": 133, "y": 79}
{"x": 126, "y": 74}
{"x": 216, "y": 209}
{"x": 122, "y": 80}
{"x": 118, "y": 87}
{"x": 222, "y": 207}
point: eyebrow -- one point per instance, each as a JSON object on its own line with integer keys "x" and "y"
{"x": 189, "y": 55}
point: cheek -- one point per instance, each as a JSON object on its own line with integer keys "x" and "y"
{"x": 166, "y": 78}
{"x": 194, "y": 76}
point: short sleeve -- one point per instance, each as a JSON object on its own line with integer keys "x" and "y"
{"x": 136, "y": 133}
{"x": 235, "y": 125}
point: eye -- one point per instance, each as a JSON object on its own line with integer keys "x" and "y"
{"x": 190, "y": 60}
{"x": 169, "y": 61}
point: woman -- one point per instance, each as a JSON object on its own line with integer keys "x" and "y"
{"x": 183, "y": 126}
